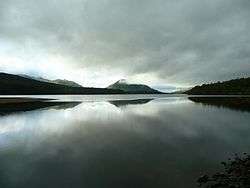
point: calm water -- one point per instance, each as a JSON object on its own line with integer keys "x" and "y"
{"x": 119, "y": 141}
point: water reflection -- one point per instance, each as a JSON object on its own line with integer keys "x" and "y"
{"x": 121, "y": 103}
{"x": 163, "y": 143}
{"x": 10, "y": 108}
{"x": 234, "y": 103}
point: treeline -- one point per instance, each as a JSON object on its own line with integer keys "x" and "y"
{"x": 239, "y": 86}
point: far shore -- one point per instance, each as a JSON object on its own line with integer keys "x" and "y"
{"x": 15, "y": 100}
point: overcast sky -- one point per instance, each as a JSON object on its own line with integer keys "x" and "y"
{"x": 156, "y": 42}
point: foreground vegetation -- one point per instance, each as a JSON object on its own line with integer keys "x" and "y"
{"x": 232, "y": 87}
{"x": 236, "y": 174}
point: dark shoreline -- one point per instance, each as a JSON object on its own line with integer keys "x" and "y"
{"x": 234, "y": 103}
{"x": 23, "y": 104}
{"x": 17, "y": 100}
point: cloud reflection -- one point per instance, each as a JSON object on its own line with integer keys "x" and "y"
{"x": 96, "y": 144}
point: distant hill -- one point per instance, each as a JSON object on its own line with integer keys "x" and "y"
{"x": 239, "y": 86}
{"x": 20, "y": 85}
{"x": 133, "y": 88}
{"x": 66, "y": 83}
{"x": 57, "y": 81}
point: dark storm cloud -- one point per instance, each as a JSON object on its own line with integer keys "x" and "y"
{"x": 181, "y": 41}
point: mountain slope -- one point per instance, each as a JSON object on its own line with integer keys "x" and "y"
{"x": 18, "y": 85}
{"x": 133, "y": 88}
{"x": 232, "y": 87}
{"x": 57, "y": 81}
{"x": 66, "y": 83}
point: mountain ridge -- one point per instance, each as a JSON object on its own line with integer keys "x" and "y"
{"x": 56, "y": 81}
{"x": 18, "y": 85}
{"x": 133, "y": 88}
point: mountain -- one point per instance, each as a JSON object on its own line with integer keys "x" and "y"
{"x": 239, "y": 86}
{"x": 133, "y": 88}
{"x": 57, "y": 81}
{"x": 23, "y": 85}
{"x": 66, "y": 83}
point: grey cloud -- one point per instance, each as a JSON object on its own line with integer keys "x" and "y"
{"x": 183, "y": 41}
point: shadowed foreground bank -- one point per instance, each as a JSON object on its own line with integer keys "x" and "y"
{"x": 236, "y": 174}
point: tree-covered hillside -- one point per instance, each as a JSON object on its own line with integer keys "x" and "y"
{"x": 239, "y": 86}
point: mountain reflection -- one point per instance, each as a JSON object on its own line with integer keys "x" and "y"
{"x": 234, "y": 103}
{"x": 121, "y": 103}
{"x": 11, "y": 108}
{"x": 167, "y": 142}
